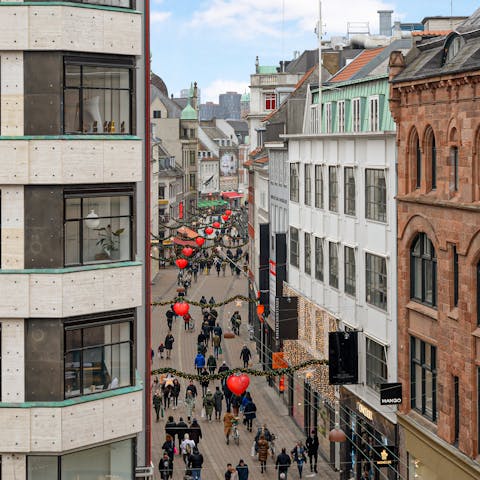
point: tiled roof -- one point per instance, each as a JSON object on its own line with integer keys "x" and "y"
{"x": 248, "y": 163}
{"x": 430, "y": 33}
{"x": 261, "y": 160}
{"x": 362, "y": 59}
{"x": 254, "y": 152}
{"x": 214, "y": 133}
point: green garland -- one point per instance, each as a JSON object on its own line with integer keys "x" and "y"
{"x": 198, "y": 304}
{"x": 249, "y": 371}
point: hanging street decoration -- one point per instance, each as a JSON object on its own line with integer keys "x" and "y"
{"x": 181, "y": 263}
{"x": 248, "y": 371}
{"x": 238, "y": 384}
{"x": 187, "y": 251}
{"x": 225, "y": 217}
{"x": 228, "y": 212}
{"x": 181, "y": 308}
{"x": 199, "y": 241}
{"x": 198, "y": 304}
{"x": 216, "y": 225}
{"x": 209, "y": 230}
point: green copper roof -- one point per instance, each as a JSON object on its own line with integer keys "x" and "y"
{"x": 265, "y": 69}
{"x": 245, "y": 97}
{"x": 189, "y": 113}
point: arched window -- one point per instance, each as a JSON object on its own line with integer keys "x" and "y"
{"x": 415, "y": 154}
{"x": 431, "y": 150}
{"x": 423, "y": 271}
{"x": 418, "y": 163}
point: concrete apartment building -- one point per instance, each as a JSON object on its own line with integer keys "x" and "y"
{"x": 72, "y": 313}
{"x": 433, "y": 98}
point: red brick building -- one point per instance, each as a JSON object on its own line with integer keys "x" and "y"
{"x": 435, "y": 101}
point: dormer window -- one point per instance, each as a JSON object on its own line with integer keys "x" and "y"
{"x": 453, "y": 44}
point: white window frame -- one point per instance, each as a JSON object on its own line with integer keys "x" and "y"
{"x": 356, "y": 115}
{"x": 328, "y": 117}
{"x": 341, "y": 116}
{"x": 374, "y": 114}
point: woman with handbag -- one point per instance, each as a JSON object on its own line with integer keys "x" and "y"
{"x": 169, "y": 447}
{"x": 299, "y": 454}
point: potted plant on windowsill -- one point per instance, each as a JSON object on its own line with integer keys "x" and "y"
{"x": 109, "y": 241}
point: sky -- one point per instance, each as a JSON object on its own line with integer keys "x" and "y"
{"x": 215, "y": 42}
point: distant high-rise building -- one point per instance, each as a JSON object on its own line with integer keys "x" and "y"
{"x": 230, "y": 102}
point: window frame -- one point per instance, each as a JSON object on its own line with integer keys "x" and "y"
{"x": 328, "y": 117}
{"x": 94, "y": 321}
{"x": 333, "y": 270}
{"x": 454, "y": 155}
{"x": 333, "y": 188}
{"x": 319, "y": 186}
{"x": 426, "y": 260}
{"x": 307, "y": 193}
{"x": 307, "y": 259}
{"x": 294, "y": 247}
{"x": 375, "y": 195}
{"x": 349, "y": 189}
{"x": 106, "y": 61}
{"x": 356, "y": 115}
{"x": 319, "y": 259}
{"x": 294, "y": 182}
{"x": 350, "y": 273}
{"x": 341, "y": 116}
{"x": 419, "y": 360}
{"x": 270, "y": 101}
{"x": 376, "y": 274}
{"x": 374, "y": 114}
{"x": 374, "y": 378}
{"x": 97, "y": 192}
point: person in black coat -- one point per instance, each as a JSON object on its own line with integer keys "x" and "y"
{"x": 165, "y": 467}
{"x": 312, "y": 450}
{"x": 245, "y": 355}
{"x": 195, "y": 432}
{"x": 169, "y": 344}
{"x": 228, "y": 396}
{"x": 171, "y": 427}
{"x": 182, "y": 429}
{"x": 195, "y": 462}
{"x": 249, "y": 413}
{"x": 169, "y": 447}
{"x": 283, "y": 462}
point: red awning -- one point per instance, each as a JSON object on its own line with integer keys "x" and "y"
{"x": 184, "y": 243}
{"x": 232, "y": 195}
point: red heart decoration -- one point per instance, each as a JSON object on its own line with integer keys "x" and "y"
{"x": 187, "y": 251}
{"x": 216, "y": 224}
{"x": 228, "y": 212}
{"x": 181, "y": 308}
{"x": 181, "y": 262}
{"x": 237, "y": 384}
{"x": 225, "y": 217}
{"x": 199, "y": 241}
{"x": 209, "y": 230}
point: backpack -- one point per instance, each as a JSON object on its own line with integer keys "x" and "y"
{"x": 188, "y": 449}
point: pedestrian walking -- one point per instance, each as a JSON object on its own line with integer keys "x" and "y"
{"x": 192, "y": 388}
{"x": 167, "y": 393}
{"x": 186, "y": 448}
{"x": 245, "y": 355}
{"x": 175, "y": 393}
{"x": 217, "y": 346}
{"x": 170, "y": 314}
{"x": 203, "y": 301}
{"x": 208, "y": 404}
{"x": 235, "y": 322}
{"x": 218, "y": 399}
{"x": 299, "y": 456}
{"x": 312, "y": 445}
{"x": 171, "y": 427}
{"x": 211, "y": 364}
{"x": 211, "y": 301}
{"x": 262, "y": 451}
{"x": 218, "y": 266}
{"x": 169, "y": 344}
{"x": 195, "y": 463}
{"x": 182, "y": 429}
{"x": 249, "y": 412}
{"x": 204, "y": 382}
{"x": 169, "y": 446}
{"x": 186, "y": 320}
{"x": 160, "y": 350}
{"x": 283, "y": 464}
{"x": 199, "y": 363}
{"x": 224, "y": 267}
{"x": 242, "y": 469}
{"x": 217, "y": 330}
{"x": 157, "y": 403}
{"x": 223, "y": 368}
{"x": 189, "y": 404}
{"x": 231, "y": 473}
{"x": 165, "y": 467}
{"x": 195, "y": 271}
{"x": 228, "y": 420}
{"x": 236, "y": 401}
{"x": 195, "y": 432}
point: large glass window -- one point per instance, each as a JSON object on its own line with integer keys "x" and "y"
{"x": 318, "y": 186}
{"x": 294, "y": 247}
{"x": 308, "y": 253}
{"x": 333, "y": 189}
{"x": 97, "y": 96}
{"x": 423, "y": 378}
{"x": 376, "y": 280}
{"x": 112, "y": 461}
{"x": 294, "y": 182}
{"x": 350, "y": 270}
{"x": 333, "y": 264}
{"x": 375, "y": 195}
{"x": 423, "y": 271}
{"x": 349, "y": 190}
{"x": 376, "y": 361}
{"x": 98, "y": 356}
{"x": 98, "y": 228}
{"x": 308, "y": 184}
{"x": 319, "y": 258}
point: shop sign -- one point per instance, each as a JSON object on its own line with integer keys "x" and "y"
{"x": 365, "y": 411}
{"x": 384, "y": 455}
{"x": 390, "y": 393}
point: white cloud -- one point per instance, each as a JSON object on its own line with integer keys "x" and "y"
{"x": 210, "y": 92}
{"x": 158, "y": 17}
{"x": 250, "y": 18}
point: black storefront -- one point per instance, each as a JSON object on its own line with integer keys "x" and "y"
{"x": 372, "y": 441}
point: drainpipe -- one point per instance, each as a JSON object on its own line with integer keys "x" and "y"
{"x": 148, "y": 243}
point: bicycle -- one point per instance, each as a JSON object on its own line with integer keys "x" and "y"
{"x": 235, "y": 432}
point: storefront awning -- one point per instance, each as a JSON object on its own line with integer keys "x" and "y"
{"x": 232, "y": 195}
{"x": 211, "y": 203}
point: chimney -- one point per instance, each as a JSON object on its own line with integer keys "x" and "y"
{"x": 385, "y": 17}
